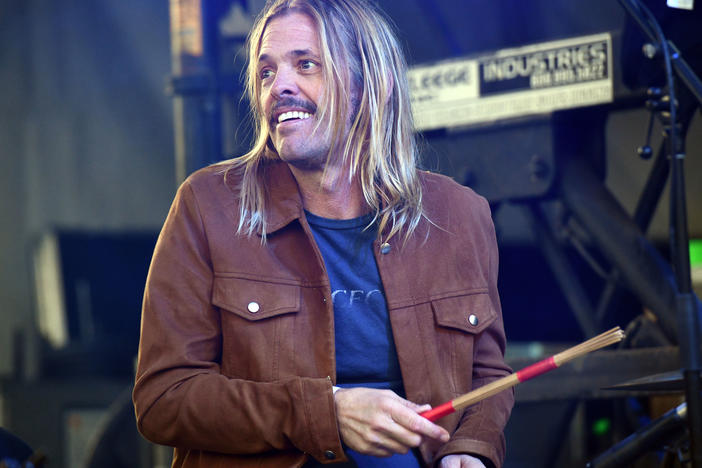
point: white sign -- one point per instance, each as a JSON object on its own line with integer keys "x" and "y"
{"x": 681, "y": 4}
{"x": 510, "y": 83}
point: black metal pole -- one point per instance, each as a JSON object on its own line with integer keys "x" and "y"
{"x": 574, "y": 292}
{"x": 661, "y": 431}
{"x": 193, "y": 83}
{"x": 688, "y": 313}
{"x": 686, "y": 304}
{"x": 641, "y": 267}
{"x": 643, "y": 214}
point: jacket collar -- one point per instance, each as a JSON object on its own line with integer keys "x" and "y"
{"x": 283, "y": 199}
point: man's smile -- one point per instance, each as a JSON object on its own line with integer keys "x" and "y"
{"x": 291, "y": 108}
{"x": 296, "y": 115}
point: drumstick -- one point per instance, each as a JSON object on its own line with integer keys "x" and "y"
{"x": 600, "y": 341}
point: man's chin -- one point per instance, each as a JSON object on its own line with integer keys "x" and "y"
{"x": 312, "y": 162}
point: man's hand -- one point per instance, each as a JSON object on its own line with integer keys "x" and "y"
{"x": 380, "y": 423}
{"x": 460, "y": 461}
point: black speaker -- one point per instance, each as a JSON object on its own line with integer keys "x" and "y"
{"x": 89, "y": 289}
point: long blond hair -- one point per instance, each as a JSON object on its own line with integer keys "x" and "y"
{"x": 380, "y": 149}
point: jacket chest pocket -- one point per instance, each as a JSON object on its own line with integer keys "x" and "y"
{"x": 459, "y": 320}
{"x": 257, "y": 322}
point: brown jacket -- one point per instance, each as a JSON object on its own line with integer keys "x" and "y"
{"x": 231, "y": 385}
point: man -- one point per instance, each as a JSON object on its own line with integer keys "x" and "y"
{"x": 308, "y": 300}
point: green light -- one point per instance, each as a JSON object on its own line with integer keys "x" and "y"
{"x": 601, "y": 426}
{"x": 696, "y": 253}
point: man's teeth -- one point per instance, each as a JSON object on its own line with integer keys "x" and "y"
{"x": 293, "y": 115}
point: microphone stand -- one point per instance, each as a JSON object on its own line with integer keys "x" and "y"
{"x": 687, "y": 302}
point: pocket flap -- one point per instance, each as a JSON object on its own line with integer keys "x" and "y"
{"x": 471, "y": 313}
{"x": 255, "y": 300}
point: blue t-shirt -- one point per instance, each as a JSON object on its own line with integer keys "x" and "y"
{"x": 365, "y": 348}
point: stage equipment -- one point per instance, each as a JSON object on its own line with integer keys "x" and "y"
{"x": 116, "y": 442}
{"x": 196, "y": 82}
{"x": 14, "y": 452}
{"x": 533, "y": 155}
{"x": 668, "y": 428}
{"x": 89, "y": 286}
{"x": 688, "y": 308}
{"x": 210, "y": 112}
{"x": 672, "y": 381}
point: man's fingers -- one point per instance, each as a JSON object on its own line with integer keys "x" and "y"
{"x": 384, "y": 446}
{"x": 417, "y": 424}
{"x": 379, "y": 422}
{"x": 383, "y": 437}
{"x": 413, "y": 406}
{"x": 399, "y": 432}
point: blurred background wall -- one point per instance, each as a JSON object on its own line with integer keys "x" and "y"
{"x": 86, "y": 133}
{"x": 86, "y": 147}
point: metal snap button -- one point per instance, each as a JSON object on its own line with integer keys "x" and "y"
{"x": 385, "y": 248}
{"x": 329, "y": 455}
{"x": 473, "y": 319}
{"x": 253, "y": 307}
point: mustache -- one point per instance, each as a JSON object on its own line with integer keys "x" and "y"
{"x": 289, "y": 101}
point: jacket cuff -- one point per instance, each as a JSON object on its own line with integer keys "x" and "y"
{"x": 324, "y": 441}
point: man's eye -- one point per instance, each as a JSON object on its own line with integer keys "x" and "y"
{"x": 266, "y": 73}
{"x": 308, "y": 64}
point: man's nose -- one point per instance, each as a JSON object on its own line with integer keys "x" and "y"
{"x": 284, "y": 83}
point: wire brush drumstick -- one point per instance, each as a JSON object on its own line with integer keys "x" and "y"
{"x": 600, "y": 341}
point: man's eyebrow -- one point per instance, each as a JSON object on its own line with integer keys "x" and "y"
{"x": 293, "y": 53}
{"x": 301, "y": 53}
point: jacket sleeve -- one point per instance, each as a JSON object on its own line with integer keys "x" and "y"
{"x": 180, "y": 396}
{"x": 481, "y": 428}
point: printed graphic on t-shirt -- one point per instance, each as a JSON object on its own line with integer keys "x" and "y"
{"x": 348, "y": 298}
{"x": 364, "y": 346}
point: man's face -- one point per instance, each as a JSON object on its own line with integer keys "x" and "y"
{"x": 290, "y": 70}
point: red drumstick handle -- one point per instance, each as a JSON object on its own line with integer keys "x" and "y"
{"x": 439, "y": 411}
{"x": 537, "y": 369}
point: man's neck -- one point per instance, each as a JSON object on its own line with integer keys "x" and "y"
{"x": 330, "y": 194}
